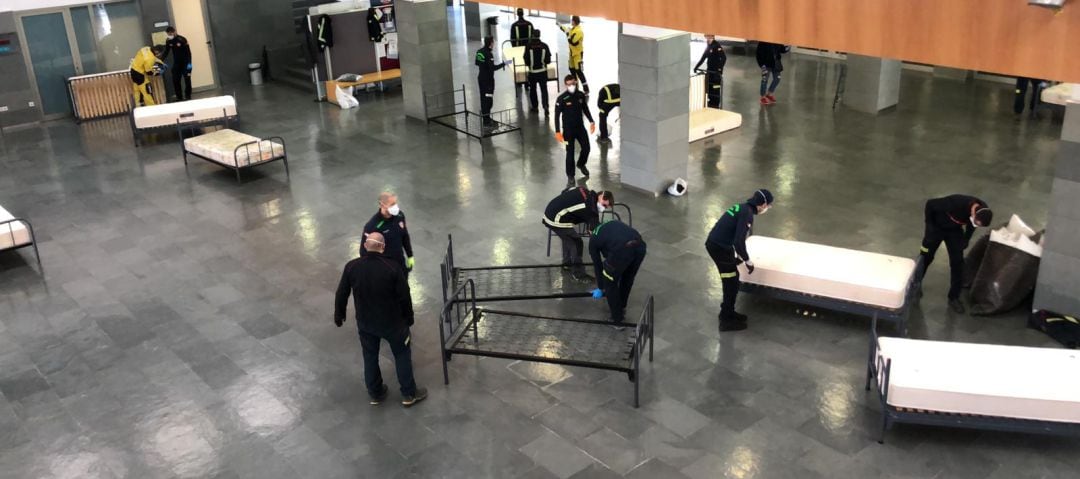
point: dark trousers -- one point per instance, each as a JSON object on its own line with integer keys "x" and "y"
{"x": 714, "y": 89}
{"x": 400, "y": 346}
{"x": 538, "y": 81}
{"x": 955, "y": 242}
{"x": 581, "y": 136}
{"x": 766, "y": 87}
{"x": 605, "y": 110}
{"x": 487, "y": 100}
{"x": 619, "y": 272}
{"x": 1021, "y": 94}
{"x": 726, "y": 262}
{"x": 572, "y": 247}
{"x": 580, "y": 75}
{"x": 181, "y": 80}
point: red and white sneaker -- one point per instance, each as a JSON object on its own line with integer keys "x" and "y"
{"x": 771, "y": 97}
{"x": 765, "y": 101}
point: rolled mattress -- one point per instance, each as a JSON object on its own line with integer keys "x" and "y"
{"x": 12, "y": 234}
{"x": 220, "y": 146}
{"x": 872, "y": 279}
{"x": 984, "y": 379}
{"x": 203, "y": 109}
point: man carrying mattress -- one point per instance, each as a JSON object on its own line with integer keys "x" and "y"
{"x": 563, "y": 213}
{"x": 951, "y": 219}
{"x": 147, "y": 63}
{"x": 617, "y": 252}
{"x": 727, "y": 248}
{"x": 390, "y": 222}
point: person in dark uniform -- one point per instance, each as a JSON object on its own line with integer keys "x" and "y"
{"x": 537, "y": 57}
{"x": 951, "y": 219}
{"x": 389, "y": 221}
{"x": 181, "y": 67}
{"x": 570, "y": 107}
{"x": 726, "y": 245}
{"x": 521, "y": 31}
{"x": 571, "y": 208}
{"x": 485, "y": 59}
{"x": 383, "y": 305}
{"x": 617, "y": 252}
{"x": 714, "y": 59}
{"x": 768, "y": 58}
{"x": 608, "y": 100}
{"x": 1021, "y": 93}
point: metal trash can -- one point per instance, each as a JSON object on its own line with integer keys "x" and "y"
{"x": 255, "y": 70}
{"x": 491, "y": 28}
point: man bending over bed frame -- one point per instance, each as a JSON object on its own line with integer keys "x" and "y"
{"x": 727, "y": 248}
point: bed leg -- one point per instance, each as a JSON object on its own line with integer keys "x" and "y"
{"x": 637, "y": 382}
{"x": 884, "y": 427}
{"x": 238, "y": 177}
{"x": 445, "y": 372}
{"x": 285, "y": 160}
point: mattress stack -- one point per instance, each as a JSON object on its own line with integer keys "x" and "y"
{"x": 12, "y": 234}
{"x": 191, "y": 111}
{"x": 221, "y": 147}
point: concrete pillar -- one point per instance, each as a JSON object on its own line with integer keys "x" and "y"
{"x": 424, "y": 49}
{"x": 475, "y": 14}
{"x": 1058, "y": 287}
{"x": 654, "y": 66}
{"x": 873, "y": 84}
{"x": 953, "y": 73}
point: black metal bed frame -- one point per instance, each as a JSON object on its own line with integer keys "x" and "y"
{"x": 583, "y": 229}
{"x": 460, "y": 316}
{"x": 445, "y": 108}
{"x": 138, "y": 133}
{"x": 451, "y": 274}
{"x": 11, "y": 234}
{"x": 224, "y": 122}
{"x": 878, "y": 372}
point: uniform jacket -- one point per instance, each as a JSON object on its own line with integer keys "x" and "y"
{"x": 520, "y": 32}
{"x": 952, "y": 212}
{"x": 572, "y": 207}
{"x": 733, "y": 227}
{"x": 569, "y": 107}
{"x": 485, "y": 59}
{"x": 380, "y": 292}
{"x": 395, "y": 234}
{"x": 180, "y": 50}
{"x": 612, "y": 246}
{"x": 714, "y": 58}
{"x": 374, "y": 27}
{"x": 609, "y": 97}
{"x": 537, "y": 57}
{"x": 324, "y": 32}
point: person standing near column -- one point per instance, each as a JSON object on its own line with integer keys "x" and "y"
{"x": 768, "y": 58}
{"x": 608, "y": 100}
{"x": 389, "y": 222}
{"x": 952, "y": 220}
{"x": 383, "y": 305}
{"x": 575, "y": 37}
{"x": 726, "y": 246}
{"x": 485, "y": 59}
{"x": 570, "y": 107}
{"x": 147, "y": 63}
{"x": 617, "y": 252}
{"x": 714, "y": 59}
{"x": 181, "y": 66}
{"x": 537, "y": 57}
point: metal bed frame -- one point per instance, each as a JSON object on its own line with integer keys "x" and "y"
{"x": 138, "y": 133}
{"x": 583, "y": 229}
{"x": 878, "y": 370}
{"x": 11, "y": 234}
{"x": 451, "y": 109}
{"x": 453, "y": 277}
{"x": 463, "y": 330}
{"x": 235, "y": 167}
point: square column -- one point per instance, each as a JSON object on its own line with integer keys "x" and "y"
{"x": 873, "y": 84}
{"x": 654, "y": 78}
{"x": 424, "y": 49}
{"x": 475, "y": 14}
{"x": 1058, "y": 287}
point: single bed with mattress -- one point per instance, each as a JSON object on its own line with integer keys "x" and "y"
{"x": 839, "y": 279}
{"x": 146, "y": 119}
{"x": 17, "y": 233}
{"x": 981, "y": 386}
{"x": 235, "y": 150}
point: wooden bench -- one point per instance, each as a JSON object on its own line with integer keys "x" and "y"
{"x": 366, "y": 79}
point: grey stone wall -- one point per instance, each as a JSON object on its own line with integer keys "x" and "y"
{"x": 424, "y": 49}
{"x": 873, "y": 84}
{"x": 1059, "y": 272}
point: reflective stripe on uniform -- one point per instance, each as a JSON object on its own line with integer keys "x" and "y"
{"x": 924, "y": 249}
{"x": 728, "y": 275}
{"x": 557, "y": 221}
{"x": 608, "y": 276}
{"x": 607, "y": 93}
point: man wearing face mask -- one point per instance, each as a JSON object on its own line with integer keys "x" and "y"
{"x": 570, "y": 107}
{"x": 563, "y": 213}
{"x": 617, "y": 252}
{"x": 726, "y": 245}
{"x": 952, "y": 220}
{"x": 390, "y": 222}
{"x": 181, "y": 66}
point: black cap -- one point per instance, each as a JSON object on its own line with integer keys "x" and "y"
{"x": 761, "y": 197}
{"x": 984, "y": 216}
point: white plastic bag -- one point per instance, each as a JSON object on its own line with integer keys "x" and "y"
{"x": 345, "y": 99}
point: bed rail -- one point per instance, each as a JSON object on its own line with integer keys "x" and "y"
{"x": 461, "y": 306}
{"x": 643, "y": 334}
{"x": 10, "y": 233}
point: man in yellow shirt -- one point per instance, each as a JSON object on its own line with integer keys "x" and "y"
{"x": 147, "y": 62}
{"x": 575, "y": 37}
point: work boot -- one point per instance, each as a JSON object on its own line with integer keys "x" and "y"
{"x": 379, "y": 398}
{"x": 570, "y": 181}
{"x": 604, "y": 141}
{"x": 739, "y": 316}
{"x": 584, "y": 170}
{"x": 582, "y": 276}
{"x": 419, "y": 395}
{"x": 957, "y": 306}
{"x": 730, "y": 322}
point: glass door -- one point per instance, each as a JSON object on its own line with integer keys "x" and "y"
{"x": 51, "y": 60}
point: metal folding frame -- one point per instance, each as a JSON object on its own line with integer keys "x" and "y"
{"x": 460, "y": 316}
{"x": 235, "y": 167}
{"x": 138, "y": 133}
{"x": 583, "y": 229}
{"x": 11, "y": 234}
{"x": 452, "y": 275}
{"x": 445, "y": 109}
{"x": 878, "y": 373}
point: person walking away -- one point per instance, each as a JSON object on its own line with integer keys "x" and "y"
{"x": 537, "y": 57}
{"x": 570, "y": 107}
{"x": 573, "y": 207}
{"x": 181, "y": 65}
{"x": 726, "y": 246}
{"x": 384, "y": 311}
{"x": 608, "y": 100}
{"x": 714, "y": 59}
{"x": 951, "y": 219}
{"x": 617, "y": 252}
{"x": 485, "y": 59}
{"x": 389, "y": 222}
{"x": 768, "y": 58}
{"x": 575, "y": 38}
{"x": 147, "y": 63}
{"x": 521, "y": 31}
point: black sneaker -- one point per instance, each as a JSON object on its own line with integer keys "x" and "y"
{"x": 739, "y": 317}
{"x": 732, "y": 325}
{"x": 582, "y": 276}
{"x": 584, "y": 170}
{"x": 419, "y": 395}
{"x": 570, "y": 181}
{"x": 956, "y": 306}
{"x": 379, "y": 398}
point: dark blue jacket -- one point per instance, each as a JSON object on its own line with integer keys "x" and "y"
{"x": 733, "y": 227}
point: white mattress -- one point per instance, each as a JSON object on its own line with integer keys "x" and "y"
{"x": 221, "y": 145}
{"x": 12, "y": 234}
{"x": 857, "y": 276}
{"x": 167, "y": 114}
{"x": 1061, "y": 93}
{"x": 983, "y": 379}
{"x": 521, "y": 70}
{"x": 711, "y": 121}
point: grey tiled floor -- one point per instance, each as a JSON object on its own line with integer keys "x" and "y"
{"x": 183, "y": 326}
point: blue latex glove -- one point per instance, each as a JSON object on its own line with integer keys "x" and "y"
{"x": 189, "y": 68}
{"x": 597, "y": 293}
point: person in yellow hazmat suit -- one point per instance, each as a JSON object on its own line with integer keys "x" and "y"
{"x": 575, "y": 37}
{"x": 147, "y": 62}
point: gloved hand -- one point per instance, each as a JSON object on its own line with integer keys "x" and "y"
{"x": 339, "y": 321}
{"x": 597, "y": 293}
{"x": 508, "y": 62}
{"x": 749, "y": 267}
{"x": 410, "y": 262}
{"x": 189, "y": 68}
{"x": 592, "y": 127}
{"x": 559, "y": 137}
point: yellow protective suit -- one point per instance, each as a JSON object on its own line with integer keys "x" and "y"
{"x": 144, "y": 65}
{"x": 576, "y": 39}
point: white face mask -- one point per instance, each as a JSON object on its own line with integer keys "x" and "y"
{"x": 973, "y": 221}
{"x": 765, "y": 209}
{"x": 600, "y": 207}
{"x": 571, "y": 88}
{"x": 393, "y": 209}
{"x": 171, "y": 37}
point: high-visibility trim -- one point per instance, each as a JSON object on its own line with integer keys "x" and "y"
{"x": 596, "y": 230}
{"x": 608, "y": 276}
{"x": 557, "y": 220}
{"x": 408, "y": 339}
{"x": 609, "y": 100}
{"x": 1066, "y": 318}
{"x": 924, "y": 249}
{"x": 380, "y": 224}
{"x": 734, "y": 210}
{"x": 728, "y": 275}
{"x": 480, "y": 56}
